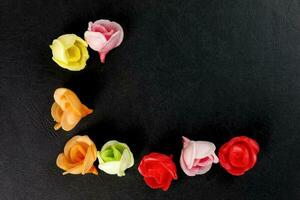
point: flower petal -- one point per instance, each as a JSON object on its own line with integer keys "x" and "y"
{"x": 112, "y": 43}
{"x": 93, "y": 170}
{"x": 112, "y": 167}
{"x": 204, "y": 169}
{"x": 56, "y": 112}
{"x": 184, "y": 167}
{"x": 77, "y": 153}
{"x": 204, "y": 149}
{"x": 151, "y": 182}
{"x": 58, "y": 51}
{"x": 73, "y": 141}
{"x": 95, "y": 40}
{"x": 63, "y": 163}
{"x": 189, "y": 154}
{"x": 216, "y": 159}
{"x": 125, "y": 162}
{"x": 204, "y": 161}
{"x": 77, "y": 169}
{"x": 66, "y": 98}
{"x": 69, "y": 120}
{"x": 90, "y": 158}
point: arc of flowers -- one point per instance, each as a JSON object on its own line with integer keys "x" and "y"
{"x": 237, "y": 156}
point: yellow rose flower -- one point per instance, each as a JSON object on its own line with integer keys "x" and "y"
{"x": 70, "y": 52}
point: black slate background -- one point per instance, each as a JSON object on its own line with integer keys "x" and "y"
{"x": 206, "y": 69}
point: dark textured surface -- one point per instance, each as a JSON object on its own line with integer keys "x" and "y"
{"x": 209, "y": 69}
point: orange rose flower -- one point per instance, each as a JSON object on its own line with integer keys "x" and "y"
{"x": 79, "y": 156}
{"x": 67, "y": 110}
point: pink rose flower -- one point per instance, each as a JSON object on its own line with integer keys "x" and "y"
{"x": 104, "y": 35}
{"x": 197, "y": 157}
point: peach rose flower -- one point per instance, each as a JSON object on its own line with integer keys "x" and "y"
{"x": 79, "y": 156}
{"x": 67, "y": 110}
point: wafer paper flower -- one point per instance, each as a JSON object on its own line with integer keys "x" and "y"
{"x": 70, "y": 52}
{"x": 67, "y": 110}
{"x": 158, "y": 170}
{"x": 197, "y": 157}
{"x": 104, "y": 35}
{"x": 238, "y": 155}
{"x": 115, "y": 157}
{"x": 78, "y": 157}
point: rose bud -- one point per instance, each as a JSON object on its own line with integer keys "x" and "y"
{"x": 115, "y": 157}
{"x": 67, "y": 110}
{"x": 70, "y": 52}
{"x": 78, "y": 157}
{"x": 197, "y": 157}
{"x": 158, "y": 170}
{"x": 103, "y": 36}
{"x": 238, "y": 155}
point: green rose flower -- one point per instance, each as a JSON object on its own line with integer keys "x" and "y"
{"x": 115, "y": 157}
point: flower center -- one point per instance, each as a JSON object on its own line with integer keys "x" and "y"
{"x": 73, "y": 54}
{"x": 239, "y": 156}
{"x": 101, "y": 29}
{"x": 77, "y": 153}
{"x": 112, "y": 153}
{"x": 108, "y": 34}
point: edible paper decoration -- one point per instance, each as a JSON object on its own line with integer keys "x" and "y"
{"x": 78, "y": 156}
{"x": 104, "y": 35}
{"x": 197, "y": 157}
{"x": 158, "y": 170}
{"x": 67, "y": 110}
{"x": 115, "y": 157}
{"x": 70, "y": 52}
{"x": 238, "y": 155}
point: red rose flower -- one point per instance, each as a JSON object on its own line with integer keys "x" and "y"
{"x": 238, "y": 155}
{"x": 158, "y": 170}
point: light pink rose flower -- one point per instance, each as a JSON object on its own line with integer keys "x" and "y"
{"x": 104, "y": 35}
{"x": 197, "y": 157}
